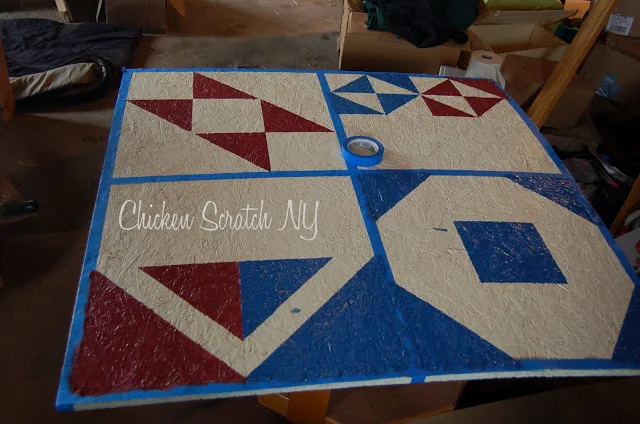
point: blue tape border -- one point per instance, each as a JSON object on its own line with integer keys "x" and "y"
{"x": 93, "y": 244}
{"x": 66, "y": 399}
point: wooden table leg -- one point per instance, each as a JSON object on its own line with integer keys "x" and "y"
{"x": 308, "y": 407}
{"x": 6, "y": 95}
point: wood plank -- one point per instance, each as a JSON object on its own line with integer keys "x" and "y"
{"x": 277, "y": 403}
{"x": 7, "y": 102}
{"x": 571, "y": 61}
{"x": 631, "y": 203}
{"x": 308, "y": 407}
{"x": 393, "y": 404}
{"x": 63, "y": 8}
{"x": 179, "y": 7}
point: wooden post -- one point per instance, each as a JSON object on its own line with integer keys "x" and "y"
{"x": 571, "y": 61}
{"x": 7, "y": 102}
{"x": 308, "y": 407}
{"x": 63, "y": 9}
{"x": 630, "y": 204}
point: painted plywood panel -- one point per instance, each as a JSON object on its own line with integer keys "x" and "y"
{"x": 234, "y": 251}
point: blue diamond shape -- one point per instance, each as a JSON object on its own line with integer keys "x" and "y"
{"x": 508, "y": 252}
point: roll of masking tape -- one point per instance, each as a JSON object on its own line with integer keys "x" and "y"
{"x": 362, "y": 151}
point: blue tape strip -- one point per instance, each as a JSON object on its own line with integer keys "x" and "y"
{"x": 369, "y": 221}
{"x": 360, "y": 160}
{"x": 93, "y": 242}
{"x": 291, "y": 71}
{"x": 229, "y": 176}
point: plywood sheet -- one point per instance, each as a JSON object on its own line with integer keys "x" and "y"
{"x": 234, "y": 251}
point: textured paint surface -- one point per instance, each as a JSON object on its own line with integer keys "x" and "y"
{"x": 233, "y": 251}
{"x": 267, "y": 284}
{"x": 389, "y": 332}
{"x": 213, "y": 289}
{"x": 508, "y": 252}
{"x": 126, "y": 345}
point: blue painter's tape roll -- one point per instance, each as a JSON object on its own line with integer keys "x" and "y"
{"x": 362, "y": 151}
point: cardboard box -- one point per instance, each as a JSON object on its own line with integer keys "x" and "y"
{"x": 625, "y": 20}
{"x": 616, "y": 73}
{"x": 526, "y": 76}
{"x": 538, "y": 17}
{"x": 582, "y": 6}
{"x": 527, "y": 40}
{"x": 365, "y": 50}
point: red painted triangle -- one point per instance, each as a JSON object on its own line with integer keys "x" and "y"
{"x": 480, "y": 105}
{"x": 485, "y": 85}
{"x": 126, "y": 346}
{"x": 208, "y": 88}
{"x": 444, "y": 89}
{"x": 277, "y": 119}
{"x": 249, "y": 146}
{"x": 178, "y": 112}
{"x": 440, "y": 109}
{"x": 213, "y": 289}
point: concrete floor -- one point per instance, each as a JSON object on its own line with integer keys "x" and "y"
{"x": 54, "y": 154}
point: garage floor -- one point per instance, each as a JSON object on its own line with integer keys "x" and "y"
{"x": 54, "y": 154}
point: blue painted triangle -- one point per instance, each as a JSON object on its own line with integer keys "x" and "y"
{"x": 391, "y": 102}
{"x": 265, "y": 285}
{"x": 373, "y": 328}
{"x": 384, "y": 189}
{"x": 360, "y": 85}
{"x": 562, "y": 191}
{"x": 399, "y": 80}
{"x": 347, "y": 107}
{"x": 628, "y": 346}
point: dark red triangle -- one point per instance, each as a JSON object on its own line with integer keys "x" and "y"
{"x": 178, "y": 112}
{"x": 126, "y": 346}
{"x": 482, "y": 104}
{"x": 213, "y": 289}
{"x": 486, "y": 85}
{"x": 208, "y": 88}
{"x": 277, "y": 119}
{"x": 445, "y": 88}
{"x": 440, "y": 109}
{"x": 249, "y": 146}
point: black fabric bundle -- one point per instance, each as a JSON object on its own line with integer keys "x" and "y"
{"x": 424, "y": 23}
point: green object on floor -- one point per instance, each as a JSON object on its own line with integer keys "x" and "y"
{"x": 565, "y": 33}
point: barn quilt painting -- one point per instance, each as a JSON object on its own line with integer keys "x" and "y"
{"x": 234, "y": 251}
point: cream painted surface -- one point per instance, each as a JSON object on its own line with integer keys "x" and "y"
{"x": 581, "y": 319}
{"x": 341, "y": 236}
{"x": 336, "y": 81}
{"x": 227, "y": 116}
{"x": 424, "y": 84}
{"x": 383, "y": 87}
{"x": 304, "y": 151}
{"x": 161, "y": 85}
{"x": 414, "y": 139}
{"x": 149, "y": 145}
{"x": 299, "y": 93}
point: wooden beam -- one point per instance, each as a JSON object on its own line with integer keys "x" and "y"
{"x": 571, "y": 61}
{"x": 7, "y": 102}
{"x": 64, "y": 11}
{"x": 277, "y": 403}
{"x": 630, "y": 204}
{"x": 308, "y": 407}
